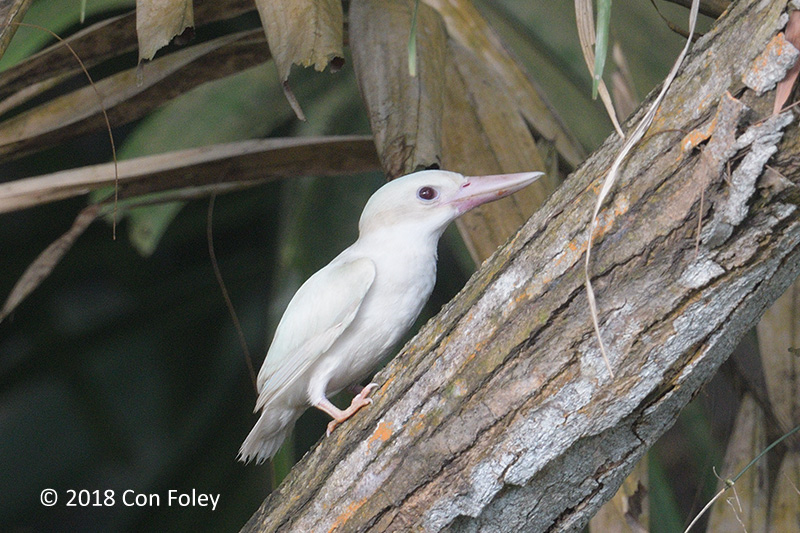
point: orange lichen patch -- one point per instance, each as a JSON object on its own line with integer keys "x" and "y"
{"x": 776, "y": 47}
{"x": 693, "y": 139}
{"x": 570, "y": 255}
{"x": 382, "y": 433}
{"x": 470, "y": 357}
{"x": 575, "y": 249}
{"x": 348, "y": 513}
{"x": 415, "y": 425}
{"x": 771, "y": 65}
{"x": 607, "y": 217}
{"x": 520, "y": 298}
{"x": 784, "y": 87}
{"x": 477, "y": 348}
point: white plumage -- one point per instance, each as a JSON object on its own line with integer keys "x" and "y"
{"x": 344, "y": 318}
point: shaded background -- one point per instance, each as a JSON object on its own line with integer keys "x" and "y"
{"x": 123, "y": 369}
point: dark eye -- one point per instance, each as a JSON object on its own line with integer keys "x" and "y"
{"x": 427, "y": 193}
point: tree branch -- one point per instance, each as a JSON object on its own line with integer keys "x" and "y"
{"x": 500, "y": 414}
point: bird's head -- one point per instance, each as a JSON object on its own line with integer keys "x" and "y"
{"x": 427, "y": 201}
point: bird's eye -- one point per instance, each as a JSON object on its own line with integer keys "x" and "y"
{"x": 427, "y": 193}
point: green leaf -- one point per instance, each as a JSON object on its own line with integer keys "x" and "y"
{"x": 146, "y": 225}
{"x": 601, "y": 42}
{"x": 245, "y": 105}
{"x": 412, "y": 43}
{"x": 56, "y": 16}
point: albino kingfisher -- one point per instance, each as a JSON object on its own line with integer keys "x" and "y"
{"x": 342, "y": 321}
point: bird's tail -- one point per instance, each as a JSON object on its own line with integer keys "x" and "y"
{"x": 268, "y": 434}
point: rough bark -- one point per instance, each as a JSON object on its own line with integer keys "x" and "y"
{"x": 500, "y": 415}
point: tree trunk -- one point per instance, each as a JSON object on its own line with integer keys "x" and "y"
{"x": 501, "y": 415}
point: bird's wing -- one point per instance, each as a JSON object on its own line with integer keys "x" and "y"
{"x": 316, "y": 316}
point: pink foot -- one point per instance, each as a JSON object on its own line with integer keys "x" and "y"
{"x": 362, "y": 399}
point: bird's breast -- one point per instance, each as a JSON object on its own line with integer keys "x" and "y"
{"x": 392, "y": 304}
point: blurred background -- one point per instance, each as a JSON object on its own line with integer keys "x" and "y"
{"x": 123, "y": 369}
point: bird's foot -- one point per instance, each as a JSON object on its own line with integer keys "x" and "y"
{"x": 360, "y": 400}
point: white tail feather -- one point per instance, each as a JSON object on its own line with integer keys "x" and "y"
{"x": 268, "y": 434}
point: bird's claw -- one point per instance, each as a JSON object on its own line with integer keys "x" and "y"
{"x": 366, "y": 391}
{"x": 359, "y": 400}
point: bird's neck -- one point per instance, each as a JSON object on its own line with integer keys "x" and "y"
{"x": 405, "y": 272}
{"x": 413, "y": 244}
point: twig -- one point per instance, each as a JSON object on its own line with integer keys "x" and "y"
{"x": 105, "y": 117}
{"x": 225, "y": 295}
{"x": 729, "y": 483}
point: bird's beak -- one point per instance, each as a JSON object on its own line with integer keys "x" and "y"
{"x": 478, "y": 190}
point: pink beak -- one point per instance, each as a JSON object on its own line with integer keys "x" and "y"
{"x": 478, "y": 190}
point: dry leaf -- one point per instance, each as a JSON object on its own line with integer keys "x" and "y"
{"x": 778, "y": 340}
{"x": 634, "y": 508}
{"x": 158, "y": 21}
{"x": 492, "y": 112}
{"x": 584, "y": 16}
{"x": 778, "y": 333}
{"x": 79, "y": 112}
{"x": 785, "y": 86}
{"x": 51, "y": 66}
{"x": 47, "y": 260}
{"x": 302, "y": 32}
{"x": 483, "y": 134}
{"x": 470, "y": 29}
{"x": 629, "y": 510}
{"x": 10, "y": 13}
{"x": 93, "y": 44}
{"x": 405, "y": 112}
{"x": 632, "y": 140}
{"x": 784, "y": 510}
{"x": 244, "y": 161}
{"x": 622, "y": 86}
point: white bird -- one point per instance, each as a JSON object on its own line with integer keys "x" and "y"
{"x": 344, "y": 318}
